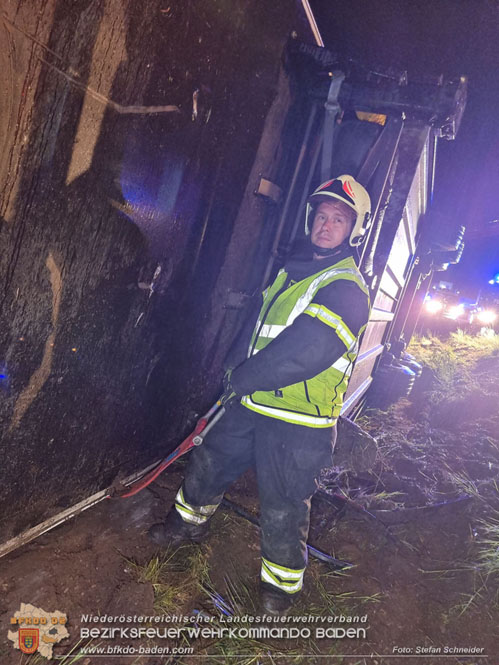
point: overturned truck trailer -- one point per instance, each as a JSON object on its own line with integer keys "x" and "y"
{"x": 154, "y": 170}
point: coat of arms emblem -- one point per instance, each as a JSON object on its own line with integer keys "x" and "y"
{"x": 29, "y": 639}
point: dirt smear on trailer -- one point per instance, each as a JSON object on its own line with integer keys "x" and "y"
{"x": 421, "y": 527}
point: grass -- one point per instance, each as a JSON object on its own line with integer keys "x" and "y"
{"x": 446, "y": 458}
{"x": 438, "y": 470}
{"x": 457, "y": 354}
{"x": 345, "y": 603}
{"x": 158, "y": 571}
{"x": 445, "y": 573}
{"x": 238, "y": 600}
{"x": 484, "y": 596}
{"x": 477, "y": 600}
{"x": 241, "y": 593}
{"x": 190, "y": 569}
{"x": 383, "y": 496}
{"x": 35, "y": 659}
{"x": 463, "y": 483}
{"x": 488, "y": 544}
{"x": 197, "y": 564}
{"x": 330, "y": 603}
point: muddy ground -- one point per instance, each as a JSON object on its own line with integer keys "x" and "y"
{"x": 415, "y": 527}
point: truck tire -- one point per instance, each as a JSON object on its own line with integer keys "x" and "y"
{"x": 390, "y": 383}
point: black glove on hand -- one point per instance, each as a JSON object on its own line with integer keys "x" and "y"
{"x": 229, "y": 396}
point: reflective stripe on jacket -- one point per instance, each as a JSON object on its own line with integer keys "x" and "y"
{"x": 315, "y": 402}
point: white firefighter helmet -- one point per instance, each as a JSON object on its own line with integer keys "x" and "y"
{"x": 346, "y": 189}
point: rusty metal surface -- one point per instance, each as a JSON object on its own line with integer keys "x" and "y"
{"x": 128, "y": 142}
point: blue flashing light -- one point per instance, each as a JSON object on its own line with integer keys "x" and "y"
{"x": 4, "y": 378}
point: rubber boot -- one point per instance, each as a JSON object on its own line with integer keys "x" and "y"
{"x": 174, "y": 531}
{"x": 275, "y": 602}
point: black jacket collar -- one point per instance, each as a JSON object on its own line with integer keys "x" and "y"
{"x": 302, "y": 265}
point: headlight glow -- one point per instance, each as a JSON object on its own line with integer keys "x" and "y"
{"x": 433, "y": 306}
{"x": 455, "y": 311}
{"x": 487, "y": 316}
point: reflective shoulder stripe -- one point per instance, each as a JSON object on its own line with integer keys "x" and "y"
{"x": 306, "y": 298}
{"x": 288, "y": 416}
{"x": 334, "y": 321}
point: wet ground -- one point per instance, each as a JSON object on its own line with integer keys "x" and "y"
{"x": 415, "y": 530}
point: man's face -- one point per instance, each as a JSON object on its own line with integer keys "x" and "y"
{"x": 333, "y": 223}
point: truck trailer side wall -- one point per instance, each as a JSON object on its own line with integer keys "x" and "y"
{"x": 129, "y": 134}
{"x": 156, "y": 163}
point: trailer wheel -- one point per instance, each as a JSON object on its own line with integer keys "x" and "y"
{"x": 390, "y": 383}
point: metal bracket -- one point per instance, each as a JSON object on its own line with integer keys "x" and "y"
{"x": 268, "y": 190}
{"x": 332, "y": 107}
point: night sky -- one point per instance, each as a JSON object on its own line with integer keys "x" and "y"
{"x": 433, "y": 37}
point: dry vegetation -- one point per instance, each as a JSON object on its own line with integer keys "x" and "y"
{"x": 414, "y": 506}
{"x": 435, "y": 462}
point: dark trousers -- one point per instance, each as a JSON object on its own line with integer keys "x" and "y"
{"x": 287, "y": 459}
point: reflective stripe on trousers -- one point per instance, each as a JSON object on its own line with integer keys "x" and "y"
{"x": 289, "y": 580}
{"x": 287, "y": 459}
{"x": 193, "y": 514}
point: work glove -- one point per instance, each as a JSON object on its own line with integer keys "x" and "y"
{"x": 229, "y": 396}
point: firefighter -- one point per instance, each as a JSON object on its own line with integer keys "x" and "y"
{"x": 282, "y": 402}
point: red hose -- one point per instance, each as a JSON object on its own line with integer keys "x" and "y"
{"x": 180, "y": 450}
